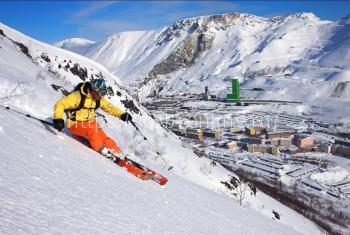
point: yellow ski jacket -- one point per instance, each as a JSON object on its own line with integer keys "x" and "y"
{"x": 87, "y": 113}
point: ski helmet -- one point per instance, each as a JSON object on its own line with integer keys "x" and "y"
{"x": 99, "y": 86}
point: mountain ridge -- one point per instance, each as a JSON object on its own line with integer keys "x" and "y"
{"x": 202, "y": 51}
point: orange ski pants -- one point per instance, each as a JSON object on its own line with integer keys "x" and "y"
{"x": 94, "y": 134}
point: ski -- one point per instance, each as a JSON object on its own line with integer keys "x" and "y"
{"x": 156, "y": 177}
{"x": 138, "y": 170}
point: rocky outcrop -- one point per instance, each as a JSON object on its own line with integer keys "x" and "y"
{"x": 45, "y": 57}
{"x": 79, "y": 71}
{"x": 199, "y": 38}
{"x": 23, "y": 49}
{"x": 184, "y": 56}
{"x": 130, "y": 105}
{"x": 197, "y": 25}
{"x": 341, "y": 90}
{"x": 267, "y": 71}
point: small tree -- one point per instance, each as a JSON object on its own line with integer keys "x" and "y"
{"x": 241, "y": 191}
{"x": 237, "y": 187}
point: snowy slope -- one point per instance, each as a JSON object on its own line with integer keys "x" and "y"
{"x": 280, "y": 53}
{"x": 337, "y": 50}
{"x": 33, "y": 76}
{"x": 131, "y": 55}
{"x": 59, "y": 186}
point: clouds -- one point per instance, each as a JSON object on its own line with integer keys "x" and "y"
{"x": 97, "y": 20}
{"x": 89, "y": 10}
{"x": 99, "y": 29}
{"x": 172, "y": 11}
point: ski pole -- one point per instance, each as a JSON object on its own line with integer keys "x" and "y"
{"x": 138, "y": 130}
{"x": 133, "y": 123}
{"x": 27, "y": 115}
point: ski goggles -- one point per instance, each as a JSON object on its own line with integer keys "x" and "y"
{"x": 101, "y": 93}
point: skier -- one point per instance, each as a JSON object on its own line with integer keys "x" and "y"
{"x": 80, "y": 106}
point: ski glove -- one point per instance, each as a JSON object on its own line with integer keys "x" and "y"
{"x": 126, "y": 117}
{"x": 58, "y": 124}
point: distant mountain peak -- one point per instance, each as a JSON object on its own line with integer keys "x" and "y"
{"x": 302, "y": 15}
{"x": 222, "y": 20}
{"x": 77, "y": 45}
{"x": 73, "y": 41}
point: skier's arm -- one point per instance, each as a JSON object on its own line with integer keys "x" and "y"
{"x": 68, "y": 102}
{"x": 110, "y": 108}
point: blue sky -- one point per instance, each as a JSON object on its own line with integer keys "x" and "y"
{"x": 52, "y": 21}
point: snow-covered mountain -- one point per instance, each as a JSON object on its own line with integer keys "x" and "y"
{"x": 52, "y": 184}
{"x": 279, "y": 53}
{"x": 77, "y": 45}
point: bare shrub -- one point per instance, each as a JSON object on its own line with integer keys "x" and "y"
{"x": 237, "y": 187}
